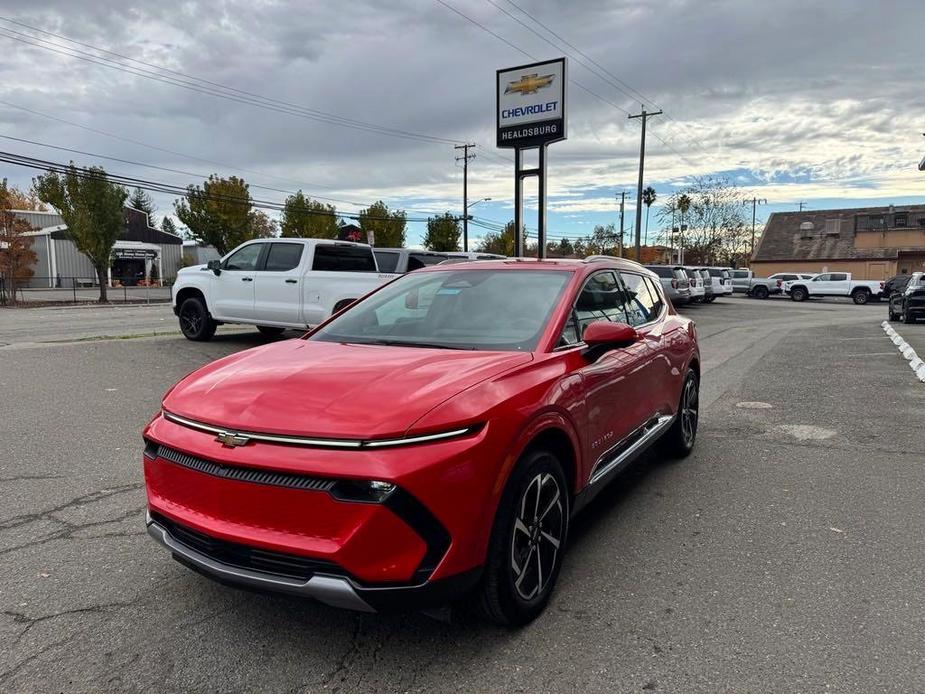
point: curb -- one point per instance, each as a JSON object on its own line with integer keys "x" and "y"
{"x": 906, "y": 350}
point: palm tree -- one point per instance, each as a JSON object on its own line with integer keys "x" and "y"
{"x": 684, "y": 204}
{"x": 648, "y": 197}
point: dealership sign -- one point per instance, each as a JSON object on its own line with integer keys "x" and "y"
{"x": 531, "y": 104}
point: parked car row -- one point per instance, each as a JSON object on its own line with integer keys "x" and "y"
{"x": 684, "y": 284}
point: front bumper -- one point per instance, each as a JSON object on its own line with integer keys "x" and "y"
{"x": 212, "y": 505}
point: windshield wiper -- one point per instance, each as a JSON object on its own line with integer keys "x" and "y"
{"x": 399, "y": 343}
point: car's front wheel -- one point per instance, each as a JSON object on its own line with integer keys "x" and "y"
{"x": 527, "y": 541}
{"x": 195, "y": 322}
{"x": 891, "y": 314}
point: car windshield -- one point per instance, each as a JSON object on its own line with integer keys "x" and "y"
{"x": 503, "y": 310}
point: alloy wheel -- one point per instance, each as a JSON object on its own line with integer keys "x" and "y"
{"x": 689, "y": 413}
{"x": 538, "y": 527}
{"x": 191, "y": 321}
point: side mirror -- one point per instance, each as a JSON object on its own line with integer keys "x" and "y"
{"x": 411, "y": 299}
{"x": 602, "y": 335}
{"x": 215, "y": 266}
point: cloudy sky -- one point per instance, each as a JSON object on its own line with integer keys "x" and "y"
{"x": 795, "y": 100}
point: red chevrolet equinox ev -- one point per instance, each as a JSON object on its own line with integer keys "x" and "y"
{"x": 428, "y": 443}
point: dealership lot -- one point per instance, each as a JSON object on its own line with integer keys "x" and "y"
{"x": 785, "y": 555}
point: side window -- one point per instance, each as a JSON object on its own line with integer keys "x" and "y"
{"x": 283, "y": 256}
{"x": 331, "y": 257}
{"x": 600, "y": 299}
{"x": 822, "y": 278}
{"x": 387, "y": 261}
{"x": 418, "y": 260}
{"x": 640, "y": 307}
{"x": 656, "y": 293}
{"x": 245, "y": 259}
{"x": 839, "y": 276}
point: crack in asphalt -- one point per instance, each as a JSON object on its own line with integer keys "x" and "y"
{"x": 26, "y": 518}
{"x": 25, "y": 478}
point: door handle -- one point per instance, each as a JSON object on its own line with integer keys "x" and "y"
{"x": 247, "y": 279}
{"x": 291, "y": 281}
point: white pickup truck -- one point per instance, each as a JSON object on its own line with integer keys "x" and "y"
{"x": 274, "y": 284}
{"x": 834, "y": 284}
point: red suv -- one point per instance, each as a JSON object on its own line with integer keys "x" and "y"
{"x": 432, "y": 440}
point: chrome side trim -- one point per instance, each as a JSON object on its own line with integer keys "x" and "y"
{"x": 650, "y": 433}
{"x": 331, "y": 590}
{"x": 318, "y": 443}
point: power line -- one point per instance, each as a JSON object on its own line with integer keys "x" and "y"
{"x": 207, "y": 87}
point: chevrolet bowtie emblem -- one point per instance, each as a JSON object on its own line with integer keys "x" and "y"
{"x": 230, "y": 439}
{"x": 529, "y": 84}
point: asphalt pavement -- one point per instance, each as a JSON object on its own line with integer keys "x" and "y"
{"x": 787, "y": 554}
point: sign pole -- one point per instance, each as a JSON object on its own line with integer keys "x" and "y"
{"x": 518, "y": 204}
{"x": 541, "y": 205}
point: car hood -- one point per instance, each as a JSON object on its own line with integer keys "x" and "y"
{"x": 326, "y": 389}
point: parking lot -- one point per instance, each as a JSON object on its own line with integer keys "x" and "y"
{"x": 786, "y": 554}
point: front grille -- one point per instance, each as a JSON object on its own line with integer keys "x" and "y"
{"x": 245, "y": 474}
{"x": 245, "y": 557}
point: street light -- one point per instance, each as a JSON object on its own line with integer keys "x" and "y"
{"x": 466, "y": 218}
{"x": 473, "y": 204}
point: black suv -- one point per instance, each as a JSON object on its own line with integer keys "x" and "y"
{"x": 907, "y": 297}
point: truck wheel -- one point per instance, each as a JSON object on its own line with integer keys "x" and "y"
{"x": 907, "y": 316}
{"x": 860, "y": 296}
{"x": 270, "y": 331}
{"x": 798, "y": 294}
{"x": 891, "y": 314}
{"x": 760, "y": 292}
{"x": 195, "y": 322}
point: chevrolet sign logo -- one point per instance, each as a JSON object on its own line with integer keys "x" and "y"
{"x": 230, "y": 439}
{"x": 529, "y": 84}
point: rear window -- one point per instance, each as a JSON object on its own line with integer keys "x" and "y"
{"x": 387, "y": 260}
{"x": 740, "y": 274}
{"x": 331, "y": 258}
{"x": 661, "y": 270}
{"x": 714, "y": 272}
{"x": 418, "y": 260}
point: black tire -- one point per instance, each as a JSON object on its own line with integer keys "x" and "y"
{"x": 860, "y": 296}
{"x": 536, "y": 541}
{"x": 906, "y": 316}
{"x": 761, "y": 292}
{"x": 890, "y": 314}
{"x": 798, "y": 294}
{"x": 679, "y": 440}
{"x": 195, "y": 322}
{"x": 270, "y": 331}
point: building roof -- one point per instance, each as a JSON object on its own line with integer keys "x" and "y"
{"x": 830, "y": 234}
{"x": 136, "y": 228}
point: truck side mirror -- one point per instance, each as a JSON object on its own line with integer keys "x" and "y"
{"x": 215, "y": 266}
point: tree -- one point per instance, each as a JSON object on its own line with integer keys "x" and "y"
{"x": 23, "y": 200}
{"x": 306, "y": 218}
{"x": 565, "y": 249}
{"x": 92, "y": 209}
{"x": 713, "y": 211}
{"x": 261, "y": 226}
{"x": 501, "y": 242}
{"x": 218, "y": 213}
{"x": 442, "y": 233}
{"x": 168, "y": 226}
{"x": 16, "y": 254}
{"x": 140, "y": 200}
{"x": 388, "y": 226}
{"x": 648, "y": 197}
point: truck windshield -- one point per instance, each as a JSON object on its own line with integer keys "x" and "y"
{"x": 504, "y": 310}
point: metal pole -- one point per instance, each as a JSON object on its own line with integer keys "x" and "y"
{"x": 541, "y": 201}
{"x": 465, "y": 159}
{"x": 754, "y": 206}
{"x": 518, "y": 205}
{"x": 622, "y": 227}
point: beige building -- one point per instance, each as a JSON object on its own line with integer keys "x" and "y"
{"x": 872, "y": 243}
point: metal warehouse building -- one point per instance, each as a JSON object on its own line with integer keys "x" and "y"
{"x": 142, "y": 253}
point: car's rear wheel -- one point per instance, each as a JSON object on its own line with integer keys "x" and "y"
{"x": 527, "y": 541}
{"x": 860, "y": 296}
{"x": 761, "y": 292}
{"x": 195, "y": 322}
{"x": 270, "y": 331}
{"x": 798, "y": 294}
{"x": 679, "y": 441}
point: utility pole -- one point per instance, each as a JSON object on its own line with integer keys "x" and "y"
{"x": 755, "y": 203}
{"x": 465, "y": 160}
{"x": 802, "y": 205}
{"x": 642, "y": 157}
{"x": 622, "y": 204}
